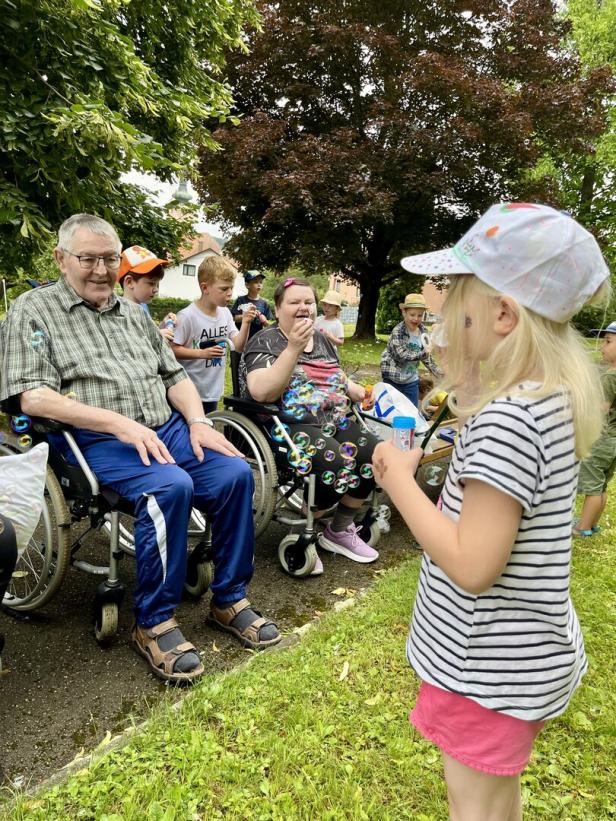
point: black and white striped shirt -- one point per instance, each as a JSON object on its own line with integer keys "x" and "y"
{"x": 517, "y": 647}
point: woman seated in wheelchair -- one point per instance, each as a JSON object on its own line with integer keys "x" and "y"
{"x": 297, "y": 367}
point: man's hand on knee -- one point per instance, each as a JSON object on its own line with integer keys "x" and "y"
{"x": 145, "y": 441}
{"x": 204, "y": 436}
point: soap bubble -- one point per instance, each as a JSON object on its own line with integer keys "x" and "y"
{"x": 362, "y": 441}
{"x": 301, "y": 439}
{"x": 305, "y": 392}
{"x": 366, "y": 471}
{"x": 310, "y": 450}
{"x": 297, "y": 412}
{"x": 344, "y": 423}
{"x": 296, "y": 380}
{"x": 329, "y": 455}
{"x": 21, "y": 423}
{"x": 294, "y": 458}
{"x": 320, "y": 443}
{"x": 290, "y": 399}
{"x": 71, "y": 396}
{"x": 344, "y": 473}
{"x": 25, "y": 441}
{"x": 434, "y": 475}
{"x": 328, "y": 477}
{"x": 304, "y": 466}
{"x": 341, "y": 486}
{"x": 329, "y": 429}
{"x": 350, "y": 463}
{"x": 37, "y": 340}
{"x": 353, "y": 481}
{"x": 277, "y": 432}
{"x": 348, "y": 450}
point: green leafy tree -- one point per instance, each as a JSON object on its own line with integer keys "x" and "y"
{"x": 90, "y": 89}
{"x": 374, "y": 129}
{"x": 586, "y": 180}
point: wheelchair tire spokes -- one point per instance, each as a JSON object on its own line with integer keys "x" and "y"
{"x": 257, "y": 451}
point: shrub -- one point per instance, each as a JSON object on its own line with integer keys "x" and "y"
{"x": 161, "y": 306}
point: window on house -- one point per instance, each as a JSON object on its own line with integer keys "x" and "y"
{"x": 189, "y": 270}
{"x": 337, "y": 285}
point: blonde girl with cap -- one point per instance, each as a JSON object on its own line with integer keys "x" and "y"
{"x": 329, "y": 321}
{"x": 405, "y": 349}
{"x": 494, "y": 636}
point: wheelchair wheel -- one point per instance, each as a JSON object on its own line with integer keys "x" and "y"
{"x": 106, "y": 623}
{"x": 374, "y": 534}
{"x": 251, "y": 442}
{"x": 199, "y": 573}
{"x": 43, "y": 564}
{"x": 293, "y": 560}
{"x": 126, "y": 537}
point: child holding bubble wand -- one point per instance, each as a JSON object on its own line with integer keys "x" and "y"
{"x": 494, "y": 637}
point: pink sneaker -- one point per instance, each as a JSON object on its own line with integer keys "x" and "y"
{"x": 347, "y": 543}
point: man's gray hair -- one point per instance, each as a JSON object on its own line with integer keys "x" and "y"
{"x": 91, "y": 223}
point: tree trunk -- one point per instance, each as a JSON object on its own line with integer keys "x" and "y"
{"x": 368, "y": 301}
{"x": 587, "y": 190}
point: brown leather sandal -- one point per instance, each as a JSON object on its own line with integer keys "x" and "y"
{"x": 245, "y": 623}
{"x": 162, "y": 662}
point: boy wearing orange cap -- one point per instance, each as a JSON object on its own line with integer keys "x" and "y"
{"x": 139, "y": 278}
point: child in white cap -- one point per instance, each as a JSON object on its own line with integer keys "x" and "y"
{"x": 494, "y": 637}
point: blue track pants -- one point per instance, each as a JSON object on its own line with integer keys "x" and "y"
{"x": 163, "y": 496}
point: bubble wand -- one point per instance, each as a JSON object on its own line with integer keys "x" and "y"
{"x": 434, "y": 425}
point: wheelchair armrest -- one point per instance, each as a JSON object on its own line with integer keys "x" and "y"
{"x": 43, "y": 425}
{"x": 249, "y": 406}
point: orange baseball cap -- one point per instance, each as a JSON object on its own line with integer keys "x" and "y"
{"x": 138, "y": 260}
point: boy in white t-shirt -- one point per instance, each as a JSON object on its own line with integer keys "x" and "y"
{"x": 205, "y": 329}
{"x": 329, "y": 323}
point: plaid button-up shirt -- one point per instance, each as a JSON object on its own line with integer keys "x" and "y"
{"x": 114, "y": 358}
{"x": 402, "y": 355}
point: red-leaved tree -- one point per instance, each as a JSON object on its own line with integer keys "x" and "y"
{"x": 378, "y": 128}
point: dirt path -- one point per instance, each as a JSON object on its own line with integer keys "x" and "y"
{"x": 60, "y": 692}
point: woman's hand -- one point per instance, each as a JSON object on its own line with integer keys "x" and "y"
{"x": 356, "y": 392}
{"x": 392, "y": 466}
{"x": 300, "y": 334}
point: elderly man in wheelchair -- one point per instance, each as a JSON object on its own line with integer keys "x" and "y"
{"x": 75, "y": 353}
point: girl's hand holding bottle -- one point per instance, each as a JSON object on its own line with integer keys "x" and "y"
{"x": 392, "y": 466}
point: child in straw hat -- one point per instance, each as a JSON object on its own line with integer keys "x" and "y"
{"x": 329, "y": 322}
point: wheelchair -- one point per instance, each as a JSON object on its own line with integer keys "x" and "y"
{"x": 73, "y": 495}
{"x": 280, "y": 493}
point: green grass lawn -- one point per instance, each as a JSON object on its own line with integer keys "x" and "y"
{"x": 321, "y": 731}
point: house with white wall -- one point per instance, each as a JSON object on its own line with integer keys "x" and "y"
{"x": 180, "y": 281}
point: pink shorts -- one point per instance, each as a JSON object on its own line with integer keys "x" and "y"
{"x": 483, "y": 739}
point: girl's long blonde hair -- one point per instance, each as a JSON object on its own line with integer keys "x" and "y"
{"x": 540, "y": 350}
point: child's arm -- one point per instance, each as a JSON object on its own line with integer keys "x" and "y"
{"x": 472, "y": 551}
{"x": 181, "y": 352}
{"x": 335, "y": 340}
{"x": 240, "y": 339}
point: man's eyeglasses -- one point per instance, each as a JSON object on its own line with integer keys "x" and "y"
{"x": 88, "y": 263}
